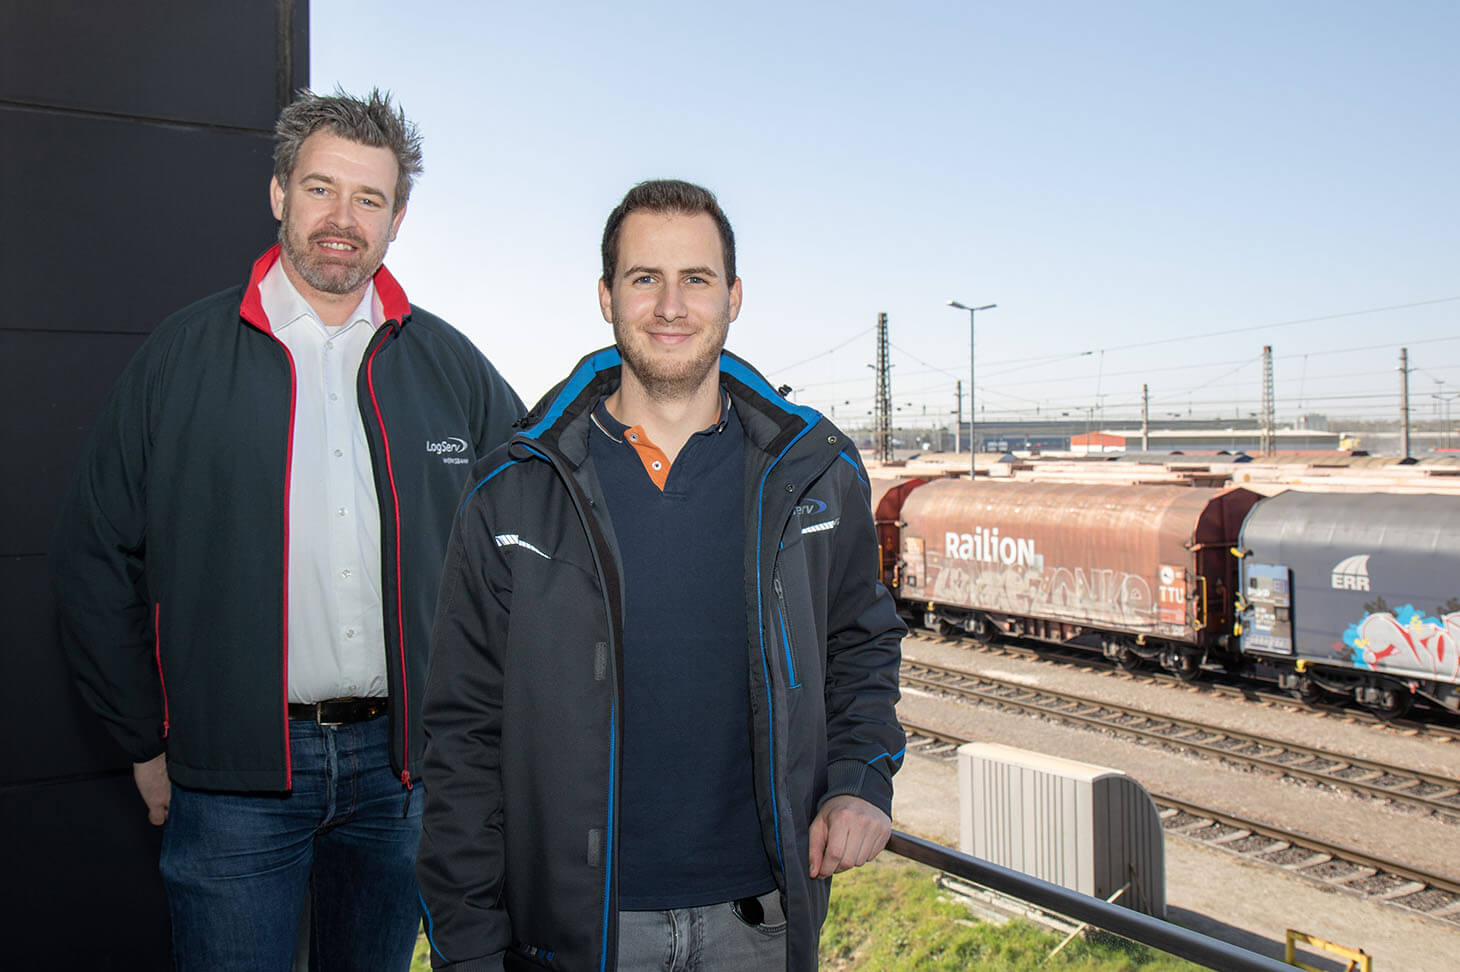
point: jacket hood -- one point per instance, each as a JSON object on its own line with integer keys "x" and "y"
{"x": 770, "y": 420}
{"x": 392, "y": 295}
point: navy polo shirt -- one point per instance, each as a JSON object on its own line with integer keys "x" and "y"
{"x": 689, "y": 833}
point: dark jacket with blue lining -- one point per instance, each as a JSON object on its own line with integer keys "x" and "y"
{"x": 523, "y": 707}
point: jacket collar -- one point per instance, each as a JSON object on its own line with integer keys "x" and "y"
{"x": 392, "y": 296}
{"x": 770, "y": 421}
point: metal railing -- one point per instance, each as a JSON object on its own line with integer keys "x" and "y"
{"x": 1138, "y": 927}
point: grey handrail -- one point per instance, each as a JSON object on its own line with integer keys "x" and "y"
{"x": 1138, "y": 927}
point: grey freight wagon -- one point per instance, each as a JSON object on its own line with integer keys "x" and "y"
{"x": 1354, "y": 594}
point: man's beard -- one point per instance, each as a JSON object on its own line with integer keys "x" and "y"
{"x": 323, "y": 274}
{"x": 670, "y": 381}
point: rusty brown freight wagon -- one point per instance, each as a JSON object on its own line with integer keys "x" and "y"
{"x": 888, "y": 495}
{"x": 1147, "y": 569}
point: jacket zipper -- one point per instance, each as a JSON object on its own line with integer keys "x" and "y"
{"x": 551, "y": 456}
{"x": 288, "y": 479}
{"x": 252, "y": 313}
{"x": 157, "y": 649}
{"x": 405, "y": 708}
{"x": 786, "y": 640}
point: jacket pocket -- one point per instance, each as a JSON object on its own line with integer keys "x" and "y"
{"x": 784, "y": 626}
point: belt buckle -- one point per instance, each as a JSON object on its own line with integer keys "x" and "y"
{"x": 319, "y": 716}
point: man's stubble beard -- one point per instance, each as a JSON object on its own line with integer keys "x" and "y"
{"x": 324, "y": 276}
{"x": 670, "y": 384}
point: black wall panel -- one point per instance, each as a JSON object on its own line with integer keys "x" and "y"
{"x": 200, "y": 61}
{"x": 89, "y": 900}
{"x": 59, "y": 380}
{"x": 137, "y": 143}
{"x": 132, "y": 219}
{"x": 50, "y": 735}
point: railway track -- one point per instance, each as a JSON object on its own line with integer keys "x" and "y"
{"x": 1392, "y": 883}
{"x": 1444, "y": 727}
{"x": 1417, "y": 790}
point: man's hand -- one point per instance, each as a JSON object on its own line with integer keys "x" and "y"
{"x": 155, "y": 787}
{"x": 847, "y": 832}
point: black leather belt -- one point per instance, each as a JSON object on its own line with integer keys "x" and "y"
{"x": 338, "y": 712}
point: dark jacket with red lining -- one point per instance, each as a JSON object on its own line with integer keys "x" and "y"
{"x": 170, "y": 555}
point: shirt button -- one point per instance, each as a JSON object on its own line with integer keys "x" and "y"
{"x": 633, "y": 437}
{"x": 657, "y": 465}
{"x": 338, "y": 453}
{"x": 349, "y": 632}
{"x": 352, "y": 688}
{"x": 334, "y": 397}
{"x": 340, "y": 511}
{"x": 345, "y": 573}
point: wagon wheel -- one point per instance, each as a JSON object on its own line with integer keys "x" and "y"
{"x": 1393, "y": 704}
{"x": 1126, "y": 658}
{"x": 980, "y": 629}
{"x": 1308, "y": 691}
{"x": 1188, "y": 666}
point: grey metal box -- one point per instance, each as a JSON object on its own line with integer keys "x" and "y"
{"x": 1087, "y": 828}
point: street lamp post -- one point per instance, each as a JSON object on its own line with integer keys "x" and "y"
{"x": 972, "y": 439}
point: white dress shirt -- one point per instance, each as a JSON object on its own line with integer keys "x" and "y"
{"x": 336, "y": 626}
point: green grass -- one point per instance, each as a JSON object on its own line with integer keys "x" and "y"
{"x": 891, "y": 917}
{"x": 421, "y": 959}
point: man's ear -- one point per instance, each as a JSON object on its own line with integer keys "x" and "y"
{"x": 734, "y": 300}
{"x": 276, "y": 198}
{"x": 605, "y": 300}
{"x": 395, "y": 224}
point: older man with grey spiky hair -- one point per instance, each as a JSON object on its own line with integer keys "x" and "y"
{"x": 247, "y": 563}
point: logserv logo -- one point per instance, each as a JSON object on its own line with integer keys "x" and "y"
{"x": 453, "y": 451}
{"x": 810, "y": 507}
{"x": 447, "y": 445}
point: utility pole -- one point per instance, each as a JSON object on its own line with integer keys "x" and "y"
{"x": 958, "y": 426}
{"x": 882, "y": 409}
{"x": 972, "y": 386}
{"x": 1269, "y": 410}
{"x": 1145, "y": 419}
{"x": 1404, "y": 402}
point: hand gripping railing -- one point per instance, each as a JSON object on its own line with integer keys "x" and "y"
{"x": 1138, "y": 927}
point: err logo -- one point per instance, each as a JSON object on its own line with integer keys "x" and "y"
{"x": 1352, "y": 573}
{"x": 986, "y": 546}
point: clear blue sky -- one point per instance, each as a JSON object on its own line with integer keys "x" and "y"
{"x": 1111, "y": 175}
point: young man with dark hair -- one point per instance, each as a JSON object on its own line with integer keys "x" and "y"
{"x": 247, "y": 563}
{"x": 660, "y": 710}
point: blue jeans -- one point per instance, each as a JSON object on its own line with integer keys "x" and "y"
{"x": 712, "y": 938}
{"x": 238, "y": 866}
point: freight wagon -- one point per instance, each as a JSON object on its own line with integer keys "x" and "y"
{"x": 1145, "y": 569}
{"x": 1354, "y": 594}
{"x": 1325, "y": 594}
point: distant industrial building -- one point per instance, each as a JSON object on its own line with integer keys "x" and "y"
{"x": 1203, "y": 441}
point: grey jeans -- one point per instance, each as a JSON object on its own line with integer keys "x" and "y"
{"x": 712, "y": 938}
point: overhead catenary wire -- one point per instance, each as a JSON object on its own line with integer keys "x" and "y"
{"x": 1310, "y": 384}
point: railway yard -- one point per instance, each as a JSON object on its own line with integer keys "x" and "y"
{"x": 1163, "y": 619}
{"x": 1277, "y": 816}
